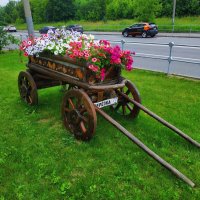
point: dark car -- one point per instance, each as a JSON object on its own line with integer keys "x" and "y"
{"x": 143, "y": 29}
{"x": 45, "y": 29}
{"x": 75, "y": 27}
{"x": 10, "y": 28}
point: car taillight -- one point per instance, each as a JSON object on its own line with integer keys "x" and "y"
{"x": 146, "y": 27}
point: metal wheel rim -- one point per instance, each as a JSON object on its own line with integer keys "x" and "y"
{"x": 125, "y": 34}
{"x": 144, "y": 34}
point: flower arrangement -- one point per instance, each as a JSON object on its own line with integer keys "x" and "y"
{"x": 98, "y": 56}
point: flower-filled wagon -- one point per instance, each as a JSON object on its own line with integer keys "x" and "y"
{"x": 90, "y": 70}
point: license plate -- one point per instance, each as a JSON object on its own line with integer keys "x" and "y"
{"x": 106, "y": 102}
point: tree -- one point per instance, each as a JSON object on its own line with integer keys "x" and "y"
{"x": 59, "y": 10}
{"x": 148, "y": 10}
{"x": 92, "y": 10}
{"x": 118, "y": 9}
{"x": 6, "y": 39}
{"x": 38, "y": 10}
{"x": 2, "y": 17}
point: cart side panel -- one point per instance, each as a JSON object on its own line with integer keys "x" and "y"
{"x": 75, "y": 69}
{"x": 60, "y": 66}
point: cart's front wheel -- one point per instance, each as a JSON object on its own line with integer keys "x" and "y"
{"x": 27, "y": 88}
{"x": 79, "y": 114}
{"x": 124, "y": 106}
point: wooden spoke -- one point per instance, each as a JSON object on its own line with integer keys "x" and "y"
{"x": 85, "y": 119}
{"x": 67, "y": 109}
{"x": 23, "y": 96}
{"x": 78, "y": 103}
{"x": 71, "y": 103}
{"x": 82, "y": 110}
{"x": 82, "y": 126}
{"x": 30, "y": 100}
{"x": 124, "y": 109}
{"x": 128, "y": 109}
{"x": 79, "y": 115}
{"x": 118, "y": 106}
{"x": 27, "y": 88}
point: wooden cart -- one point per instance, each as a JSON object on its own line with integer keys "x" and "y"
{"x": 84, "y": 90}
{"x": 86, "y": 94}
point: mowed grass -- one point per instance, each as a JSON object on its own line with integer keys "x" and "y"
{"x": 39, "y": 159}
{"x": 182, "y": 24}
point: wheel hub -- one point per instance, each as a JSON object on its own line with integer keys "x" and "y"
{"x": 74, "y": 117}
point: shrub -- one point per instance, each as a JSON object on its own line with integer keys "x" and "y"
{"x": 6, "y": 39}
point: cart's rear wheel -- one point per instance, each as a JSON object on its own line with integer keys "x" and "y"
{"x": 125, "y": 107}
{"x": 27, "y": 88}
{"x": 79, "y": 115}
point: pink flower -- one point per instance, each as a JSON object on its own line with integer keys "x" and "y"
{"x": 25, "y": 54}
{"x": 87, "y": 55}
{"x": 105, "y": 42}
{"x": 85, "y": 51}
{"x": 79, "y": 45}
{"x": 81, "y": 54}
{"x": 129, "y": 67}
{"x": 103, "y": 73}
{"x": 76, "y": 53}
{"x": 29, "y": 42}
{"x": 71, "y": 56}
{"x": 93, "y": 68}
{"x": 94, "y": 60}
{"x": 45, "y": 35}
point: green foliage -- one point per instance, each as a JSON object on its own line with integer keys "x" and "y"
{"x": 59, "y": 10}
{"x": 10, "y": 12}
{"x": 92, "y": 10}
{"x": 38, "y": 10}
{"x": 147, "y": 10}
{"x": 6, "y": 39}
{"x": 183, "y": 7}
{"x": 40, "y": 159}
{"x": 44, "y": 11}
{"x": 117, "y": 9}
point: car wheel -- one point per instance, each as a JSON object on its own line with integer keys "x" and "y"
{"x": 125, "y": 34}
{"x": 152, "y": 35}
{"x": 144, "y": 34}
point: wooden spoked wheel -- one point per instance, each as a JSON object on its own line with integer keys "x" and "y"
{"x": 124, "y": 106}
{"x": 27, "y": 88}
{"x": 79, "y": 115}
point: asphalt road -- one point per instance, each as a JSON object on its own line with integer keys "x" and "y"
{"x": 186, "y": 50}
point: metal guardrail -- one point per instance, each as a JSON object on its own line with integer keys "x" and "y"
{"x": 168, "y": 58}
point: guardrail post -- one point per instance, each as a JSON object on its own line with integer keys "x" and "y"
{"x": 171, "y": 44}
{"x": 122, "y": 43}
{"x": 21, "y": 37}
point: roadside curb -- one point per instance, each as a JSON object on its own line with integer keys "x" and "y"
{"x": 185, "y": 35}
{"x": 182, "y": 35}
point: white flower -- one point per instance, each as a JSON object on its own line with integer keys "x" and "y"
{"x": 91, "y": 37}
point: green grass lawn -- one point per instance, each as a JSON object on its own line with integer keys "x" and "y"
{"x": 183, "y": 24}
{"x": 39, "y": 159}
